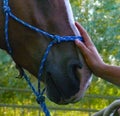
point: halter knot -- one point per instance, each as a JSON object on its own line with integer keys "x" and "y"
{"x": 57, "y": 38}
{"x": 6, "y": 9}
{"x": 40, "y": 99}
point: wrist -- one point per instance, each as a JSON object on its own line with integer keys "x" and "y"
{"x": 100, "y": 70}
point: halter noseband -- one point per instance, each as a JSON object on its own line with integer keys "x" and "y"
{"x": 55, "y": 40}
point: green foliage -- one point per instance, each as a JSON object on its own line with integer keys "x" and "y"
{"x": 102, "y": 21}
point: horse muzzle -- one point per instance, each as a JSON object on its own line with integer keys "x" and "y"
{"x": 67, "y": 84}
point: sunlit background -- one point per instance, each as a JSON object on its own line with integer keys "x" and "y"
{"x": 101, "y": 18}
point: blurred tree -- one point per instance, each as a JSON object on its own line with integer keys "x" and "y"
{"x": 101, "y": 18}
{"x": 102, "y": 21}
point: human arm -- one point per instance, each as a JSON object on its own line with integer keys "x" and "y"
{"x": 94, "y": 61}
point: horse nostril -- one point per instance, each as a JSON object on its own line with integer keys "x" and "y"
{"x": 73, "y": 67}
{"x": 75, "y": 72}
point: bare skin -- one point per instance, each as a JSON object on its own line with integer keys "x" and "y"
{"x": 94, "y": 61}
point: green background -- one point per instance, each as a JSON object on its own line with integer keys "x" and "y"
{"x": 101, "y": 18}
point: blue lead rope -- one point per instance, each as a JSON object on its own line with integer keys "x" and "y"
{"x": 55, "y": 40}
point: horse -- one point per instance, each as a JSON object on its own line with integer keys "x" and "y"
{"x": 66, "y": 74}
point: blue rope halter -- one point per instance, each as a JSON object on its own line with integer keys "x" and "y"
{"x": 56, "y": 39}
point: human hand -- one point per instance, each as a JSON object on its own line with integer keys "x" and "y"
{"x": 89, "y": 51}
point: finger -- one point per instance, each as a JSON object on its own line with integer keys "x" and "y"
{"x": 84, "y": 34}
{"x": 81, "y": 29}
{"x": 83, "y": 49}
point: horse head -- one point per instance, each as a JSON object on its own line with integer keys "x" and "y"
{"x": 66, "y": 75}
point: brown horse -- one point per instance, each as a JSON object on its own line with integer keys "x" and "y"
{"x": 66, "y": 74}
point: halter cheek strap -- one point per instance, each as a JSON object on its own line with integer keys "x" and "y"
{"x": 56, "y": 39}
